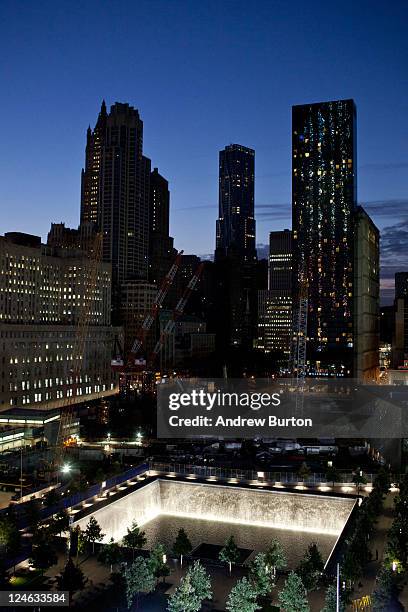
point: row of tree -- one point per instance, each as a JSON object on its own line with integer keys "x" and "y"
{"x": 358, "y": 551}
{"x": 393, "y": 570}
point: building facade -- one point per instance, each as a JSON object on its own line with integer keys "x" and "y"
{"x": 137, "y": 299}
{"x": 43, "y": 293}
{"x": 335, "y": 244}
{"x": 236, "y": 220}
{"x": 366, "y": 298}
{"x": 275, "y": 303}
{"x": 161, "y": 247}
{"x": 323, "y": 207}
{"x": 274, "y": 322}
{"x": 235, "y": 252}
{"x": 401, "y": 285}
{"x": 400, "y": 335}
{"x": 115, "y": 192}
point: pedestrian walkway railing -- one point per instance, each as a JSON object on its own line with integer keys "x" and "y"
{"x": 283, "y": 477}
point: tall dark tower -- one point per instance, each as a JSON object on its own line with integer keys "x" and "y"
{"x": 115, "y": 192}
{"x": 323, "y": 208}
{"x": 236, "y": 222}
{"x": 235, "y": 253}
{"x": 161, "y": 250}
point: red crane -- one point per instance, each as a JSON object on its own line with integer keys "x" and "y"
{"x": 177, "y": 312}
{"x": 118, "y": 363}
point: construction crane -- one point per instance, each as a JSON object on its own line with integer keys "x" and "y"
{"x": 298, "y": 358}
{"x": 131, "y": 363}
{"x": 177, "y": 312}
{"x": 150, "y": 318}
{"x": 78, "y": 352}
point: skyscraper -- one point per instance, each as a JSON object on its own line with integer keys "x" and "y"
{"x": 401, "y": 285}
{"x": 400, "y": 335}
{"x": 161, "y": 250}
{"x": 115, "y": 192}
{"x": 236, "y": 222}
{"x": 280, "y": 262}
{"x": 335, "y": 243}
{"x": 366, "y": 298}
{"x": 323, "y": 209}
{"x": 235, "y": 253}
{"x": 275, "y": 303}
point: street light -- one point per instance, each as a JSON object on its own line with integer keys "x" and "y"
{"x": 66, "y": 468}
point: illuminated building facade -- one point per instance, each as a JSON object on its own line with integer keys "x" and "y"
{"x": 323, "y": 208}
{"x": 280, "y": 262}
{"x": 275, "y": 303}
{"x": 236, "y": 222}
{"x": 42, "y": 293}
{"x": 115, "y": 192}
{"x": 335, "y": 243}
{"x": 400, "y": 336}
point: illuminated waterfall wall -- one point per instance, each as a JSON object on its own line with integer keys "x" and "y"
{"x": 294, "y": 511}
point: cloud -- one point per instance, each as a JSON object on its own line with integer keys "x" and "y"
{"x": 384, "y": 166}
{"x": 200, "y": 207}
{"x": 392, "y": 208}
{"x": 394, "y": 256}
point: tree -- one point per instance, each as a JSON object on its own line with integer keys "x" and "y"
{"x": 293, "y": 598}
{"x": 262, "y": 575}
{"x": 93, "y": 533}
{"x": 61, "y": 522}
{"x": 182, "y": 545}
{"x": 134, "y": 539}
{"x": 51, "y": 498}
{"x": 110, "y": 554}
{"x": 311, "y": 567}
{"x": 386, "y": 590}
{"x": 359, "y": 479}
{"x": 351, "y": 568}
{"x": 242, "y": 597}
{"x": 184, "y": 598}
{"x": 43, "y": 555}
{"x": 76, "y": 544}
{"x": 331, "y": 600}
{"x": 230, "y": 553}
{"x": 158, "y": 563}
{"x": 139, "y": 577}
{"x": 275, "y": 556}
{"x": 304, "y": 471}
{"x": 4, "y": 577}
{"x": 10, "y": 536}
{"x": 200, "y": 581}
{"x": 32, "y": 514}
{"x": 71, "y": 579}
{"x": 332, "y": 475}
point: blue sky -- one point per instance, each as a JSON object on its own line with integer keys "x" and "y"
{"x": 203, "y": 75}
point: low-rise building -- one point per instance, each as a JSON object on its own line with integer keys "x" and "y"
{"x": 44, "y": 293}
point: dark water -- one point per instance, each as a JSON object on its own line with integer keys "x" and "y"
{"x": 163, "y": 529}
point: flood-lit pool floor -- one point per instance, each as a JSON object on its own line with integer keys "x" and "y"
{"x": 163, "y": 529}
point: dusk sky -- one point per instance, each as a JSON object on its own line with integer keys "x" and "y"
{"x": 203, "y": 75}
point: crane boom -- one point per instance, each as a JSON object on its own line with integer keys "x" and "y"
{"x": 299, "y": 344}
{"x": 178, "y": 311}
{"x": 158, "y": 302}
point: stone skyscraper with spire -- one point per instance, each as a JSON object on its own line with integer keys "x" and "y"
{"x": 115, "y": 192}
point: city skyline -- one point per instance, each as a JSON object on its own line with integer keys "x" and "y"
{"x": 325, "y": 60}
